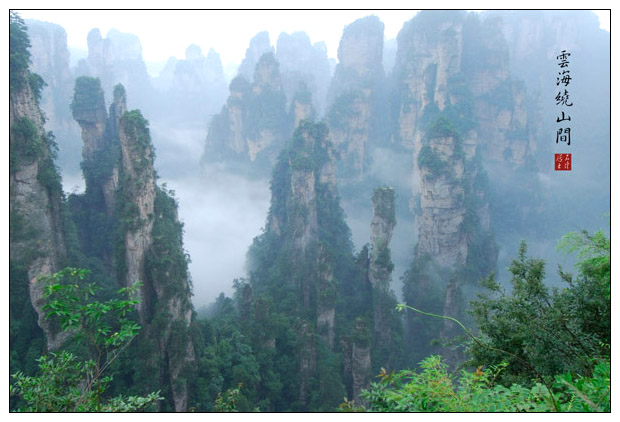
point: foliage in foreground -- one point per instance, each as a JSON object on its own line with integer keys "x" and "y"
{"x": 66, "y": 384}
{"x": 435, "y": 390}
{"x": 532, "y": 340}
{"x": 555, "y": 332}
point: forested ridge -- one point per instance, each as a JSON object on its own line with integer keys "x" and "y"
{"x": 446, "y": 146}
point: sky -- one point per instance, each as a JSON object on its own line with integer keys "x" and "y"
{"x": 166, "y": 33}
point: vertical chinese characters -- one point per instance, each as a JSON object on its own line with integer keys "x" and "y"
{"x": 562, "y": 100}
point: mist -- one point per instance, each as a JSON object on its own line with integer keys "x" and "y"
{"x": 223, "y": 211}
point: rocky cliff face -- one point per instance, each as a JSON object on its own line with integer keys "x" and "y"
{"x": 500, "y": 100}
{"x": 151, "y": 233}
{"x": 145, "y": 243}
{"x": 253, "y": 125}
{"x": 352, "y": 95}
{"x": 259, "y": 45}
{"x": 380, "y": 267}
{"x": 381, "y": 228}
{"x": 442, "y": 202}
{"x": 453, "y": 72}
{"x": 456, "y": 241}
{"x": 195, "y": 86}
{"x": 90, "y": 112}
{"x": 267, "y": 75}
{"x": 311, "y": 170}
{"x": 265, "y": 127}
{"x": 50, "y": 60}
{"x": 533, "y": 40}
{"x": 311, "y": 180}
{"x": 303, "y": 256}
{"x": 360, "y": 55}
{"x": 302, "y": 62}
{"x": 117, "y": 59}
{"x": 35, "y": 196}
{"x": 301, "y": 106}
{"x": 138, "y": 195}
{"x": 100, "y": 167}
{"x": 457, "y": 107}
{"x": 261, "y": 114}
{"x": 449, "y": 58}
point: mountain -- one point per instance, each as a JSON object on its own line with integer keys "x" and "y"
{"x": 37, "y": 226}
{"x": 117, "y": 58}
{"x": 353, "y": 96}
{"x": 304, "y": 63}
{"x": 194, "y": 88}
{"x": 253, "y": 125}
{"x": 130, "y": 225}
{"x": 51, "y": 60}
{"x": 259, "y": 46}
{"x": 307, "y": 306}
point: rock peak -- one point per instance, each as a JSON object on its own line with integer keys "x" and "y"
{"x": 381, "y": 228}
{"x": 193, "y": 52}
{"x": 259, "y": 45}
{"x": 361, "y": 48}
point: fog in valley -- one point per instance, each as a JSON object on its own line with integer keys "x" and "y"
{"x": 180, "y": 84}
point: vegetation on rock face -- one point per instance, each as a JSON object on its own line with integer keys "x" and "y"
{"x": 19, "y": 53}
{"x": 266, "y": 111}
{"x": 166, "y": 259}
{"x": 429, "y": 159}
{"x": 88, "y": 95}
{"x": 342, "y": 109}
{"x": 35, "y": 201}
{"x": 103, "y": 216}
{"x": 254, "y": 115}
{"x": 27, "y": 143}
{"x": 26, "y": 339}
{"x": 290, "y": 290}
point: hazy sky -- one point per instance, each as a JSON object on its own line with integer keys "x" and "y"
{"x": 165, "y": 33}
{"x": 168, "y": 33}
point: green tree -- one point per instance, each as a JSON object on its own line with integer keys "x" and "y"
{"x": 67, "y": 385}
{"x": 105, "y": 328}
{"x": 434, "y": 389}
{"x": 19, "y": 54}
{"x": 541, "y": 350}
{"x": 555, "y": 331}
{"x": 228, "y": 402}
